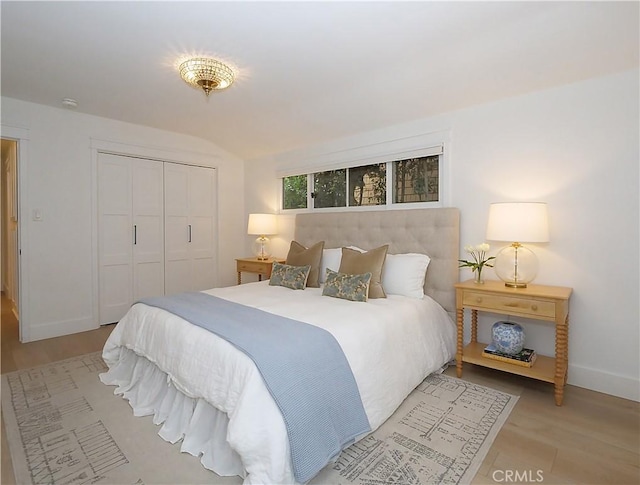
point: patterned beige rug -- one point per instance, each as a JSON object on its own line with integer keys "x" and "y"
{"x": 64, "y": 426}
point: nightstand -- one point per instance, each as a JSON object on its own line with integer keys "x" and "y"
{"x": 255, "y": 265}
{"x": 548, "y": 303}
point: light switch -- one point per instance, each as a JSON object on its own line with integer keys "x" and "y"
{"x": 37, "y": 215}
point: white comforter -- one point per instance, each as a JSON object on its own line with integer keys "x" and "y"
{"x": 391, "y": 344}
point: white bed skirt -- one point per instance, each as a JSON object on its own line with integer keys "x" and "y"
{"x": 201, "y": 427}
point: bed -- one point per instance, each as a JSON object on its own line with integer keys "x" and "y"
{"x": 207, "y": 393}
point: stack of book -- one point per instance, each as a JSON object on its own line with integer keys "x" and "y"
{"x": 524, "y": 358}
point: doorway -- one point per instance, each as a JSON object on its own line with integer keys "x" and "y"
{"x": 9, "y": 237}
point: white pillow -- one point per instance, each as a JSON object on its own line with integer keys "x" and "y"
{"x": 330, "y": 259}
{"x": 403, "y": 274}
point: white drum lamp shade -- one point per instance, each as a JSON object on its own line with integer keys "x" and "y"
{"x": 262, "y": 225}
{"x": 517, "y": 222}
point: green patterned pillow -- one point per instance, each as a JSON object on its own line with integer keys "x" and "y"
{"x": 354, "y": 287}
{"x": 294, "y": 277}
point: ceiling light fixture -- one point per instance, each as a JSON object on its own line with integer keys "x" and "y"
{"x": 207, "y": 74}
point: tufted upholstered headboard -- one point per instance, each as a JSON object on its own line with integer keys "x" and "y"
{"x": 435, "y": 232}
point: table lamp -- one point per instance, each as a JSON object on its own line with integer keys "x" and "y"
{"x": 518, "y": 222}
{"x": 262, "y": 225}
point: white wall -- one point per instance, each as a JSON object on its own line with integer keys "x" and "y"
{"x": 575, "y": 147}
{"x": 59, "y": 253}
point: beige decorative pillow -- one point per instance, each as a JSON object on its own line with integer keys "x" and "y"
{"x": 301, "y": 256}
{"x": 355, "y": 262}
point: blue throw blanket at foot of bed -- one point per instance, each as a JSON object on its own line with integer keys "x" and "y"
{"x": 302, "y": 365}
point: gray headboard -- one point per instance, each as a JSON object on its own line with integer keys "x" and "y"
{"x": 435, "y": 232}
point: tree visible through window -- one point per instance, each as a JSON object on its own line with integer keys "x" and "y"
{"x": 330, "y": 188}
{"x": 413, "y": 180}
{"x": 294, "y": 192}
{"x": 416, "y": 180}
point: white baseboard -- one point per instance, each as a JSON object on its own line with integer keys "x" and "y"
{"x": 615, "y": 384}
{"x": 58, "y": 329}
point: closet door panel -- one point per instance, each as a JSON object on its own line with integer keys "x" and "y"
{"x": 115, "y": 293}
{"x": 148, "y": 259}
{"x": 202, "y": 210}
{"x": 148, "y": 241}
{"x": 149, "y": 280}
{"x": 201, "y": 191}
{"x": 115, "y": 244}
{"x": 177, "y": 261}
{"x": 177, "y": 276}
{"x": 190, "y": 257}
{"x": 148, "y": 217}
{"x": 177, "y": 238}
{"x": 202, "y": 253}
{"x": 177, "y": 231}
{"x": 116, "y": 247}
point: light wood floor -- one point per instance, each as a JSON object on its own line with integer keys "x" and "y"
{"x": 592, "y": 439}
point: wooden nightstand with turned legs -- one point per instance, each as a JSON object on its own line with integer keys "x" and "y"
{"x": 538, "y": 302}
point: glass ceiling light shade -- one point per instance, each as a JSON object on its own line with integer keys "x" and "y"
{"x": 518, "y": 222}
{"x": 207, "y": 74}
{"x": 262, "y": 225}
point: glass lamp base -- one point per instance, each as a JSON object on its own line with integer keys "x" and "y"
{"x": 262, "y": 248}
{"x": 516, "y": 265}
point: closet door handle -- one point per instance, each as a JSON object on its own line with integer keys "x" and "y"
{"x": 135, "y": 234}
{"x": 189, "y": 232}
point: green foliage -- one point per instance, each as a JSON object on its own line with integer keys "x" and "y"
{"x": 294, "y": 191}
{"x": 414, "y": 180}
{"x": 330, "y": 188}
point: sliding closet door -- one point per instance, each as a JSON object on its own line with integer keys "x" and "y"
{"x": 190, "y": 221}
{"x": 130, "y": 233}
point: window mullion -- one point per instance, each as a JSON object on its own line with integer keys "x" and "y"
{"x": 389, "y": 183}
{"x": 346, "y": 188}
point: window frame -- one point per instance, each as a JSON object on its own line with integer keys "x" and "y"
{"x": 388, "y": 157}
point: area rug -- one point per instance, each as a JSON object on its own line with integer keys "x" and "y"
{"x": 65, "y": 427}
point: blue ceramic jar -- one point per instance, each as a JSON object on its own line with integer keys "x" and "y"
{"x": 508, "y": 337}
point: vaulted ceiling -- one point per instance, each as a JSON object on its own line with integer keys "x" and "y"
{"x": 308, "y": 71}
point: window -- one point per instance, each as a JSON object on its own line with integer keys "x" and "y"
{"x": 399, "y": 181}
{"x": 368, "y": 185}
{"x": 330, "y": 189}
{"x": 294, "y": 192}
{"x": 416, "y": 180}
